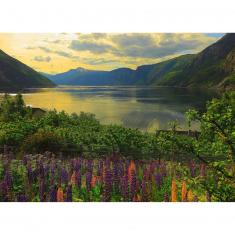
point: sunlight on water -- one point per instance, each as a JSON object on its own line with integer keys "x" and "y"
{"x": 145, "y": 108}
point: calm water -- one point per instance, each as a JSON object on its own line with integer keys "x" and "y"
{"x": 138, "y": 107}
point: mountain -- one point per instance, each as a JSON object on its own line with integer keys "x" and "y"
{"x": 15, "y": 75}
{"x": 81, "y": 76}
{"x": 212, "y": 67}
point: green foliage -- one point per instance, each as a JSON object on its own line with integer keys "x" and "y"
{"x": 42, "y": 141}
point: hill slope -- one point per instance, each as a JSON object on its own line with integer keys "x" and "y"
{"x": 15, "y": 75}
{"x": 213, "y": 67}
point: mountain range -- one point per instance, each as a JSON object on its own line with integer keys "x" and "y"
{"x": 14, "y": 75}
{"x": 212, "y": 67}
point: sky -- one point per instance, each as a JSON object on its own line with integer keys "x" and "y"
{"x": 60, "y": 52}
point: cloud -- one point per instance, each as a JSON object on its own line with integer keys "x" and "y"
{"x": 144, "y": 45}
{"x": 94, "y": 47}
{"x": 42, "y": 59}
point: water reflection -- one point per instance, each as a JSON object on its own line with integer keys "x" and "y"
{"x": 138, "y": 107}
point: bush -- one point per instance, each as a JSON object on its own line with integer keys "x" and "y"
{"x": 43, "y": 141}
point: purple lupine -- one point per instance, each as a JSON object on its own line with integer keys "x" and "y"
{"x": 78, "y": 179}
{"x": 107, "y": 189}
{"x": 53, "y": 191}
{"x": 3, "y": 191}
{"x": 166, "y": 197}
{"x": 22, "y": 198}
{"x": 124, "y": 187}
{"x": 30, "y": 174}
{"x": 116, "y": 176}
{"x": 89, "y": 174}
{"x": 69, "y": 193}
{"x": 42, "y": 190}
{"x": 41, "y": 169}
{"x": 158, "y": 180}
{"x": 8, "y": 179}
{"x": 133, "y": 184}
{"x": 145, "y": 196}
{"x": 64, "y": 176}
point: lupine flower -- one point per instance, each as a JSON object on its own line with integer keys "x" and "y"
{"x": 3, "y": 191}
{"x": 42, "y": 190}
{"x": 30, "y": 174}
{"x": 93, "y": 181}
{"x": 137, "y": 198}
{"x": 78, "y": 179}
{"x": 116, "y": 177}
{"x": 64, "y": 176}
{"x": 133, "y": 184}
{"x": 60, "y": 195}
{"x": 41, "y": 170}
{"x": 190, "y": 196}
{"x": 145, "y": 194}
{"x": 107, "y": 182}
{"x": 8, "y": 179}
{"x": 158, "y": 179}
{"x": 184, "y": 192}
{"x": 21, "y": 198}
{"x": 131, "y": 168}
{"x": 173, "y": 191}
{"x": 53, "y": 193}
{"x": 73, "y": 178}
{"x": 89, "y": 175}
{"x": 124, "y": 187}
{"x": 69, "y": 193}
{"x": 166, "y": 197}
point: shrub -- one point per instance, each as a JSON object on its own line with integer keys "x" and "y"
{"x": 43, "y": 141}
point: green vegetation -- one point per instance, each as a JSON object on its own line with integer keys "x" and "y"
{"x": 74, "y": 134}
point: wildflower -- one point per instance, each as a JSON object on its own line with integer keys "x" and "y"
{"x": 173, "y": 191}
{"x": 124, "y": 187}
{"x": 133, "y": 184}
{"x": 60, "y": 195}
{"x": 64, "y": 176}
{"x": 158, "y": 180}
{"x": 89, "y": 175}
{"x": 184, "y": 192}
{"x": 73, "y": 178}
{"x": 107, "y": 182}
{"x": 131, "y": 168}
{"x": 42, "y": 190}
{"x": 69, "y": 193}
{"x": 190, "y": 196}
{"x": 21, "y": 198}
{"x": 53, "y": 193}
{"x": 93, "y": 181}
